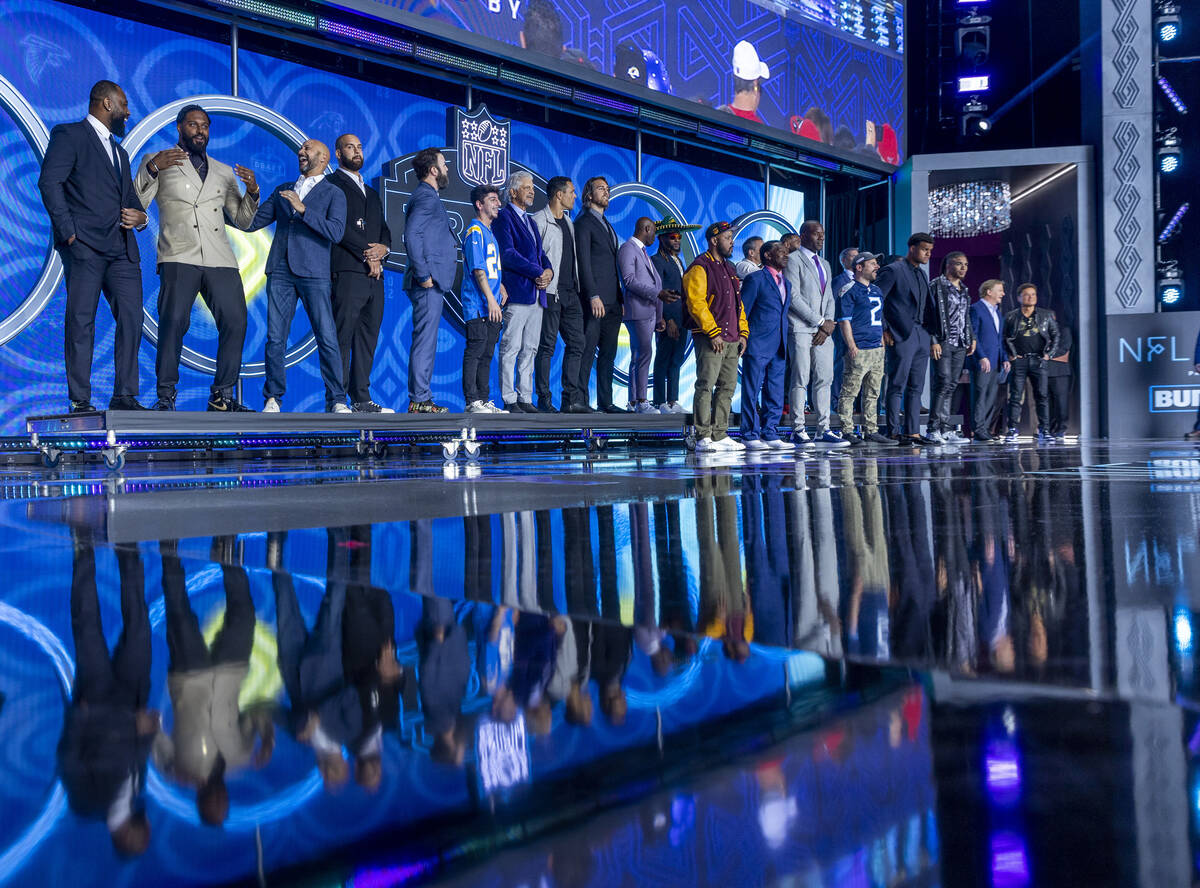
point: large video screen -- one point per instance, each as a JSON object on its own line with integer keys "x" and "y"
{"x": 829, "y": 71}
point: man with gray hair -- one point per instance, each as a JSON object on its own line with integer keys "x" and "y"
{"x": 751, "y": 260}
{"x": 526, "y": 273}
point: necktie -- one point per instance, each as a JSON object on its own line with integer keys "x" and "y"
{"x": 112, "y": 140}
{"x": 922, "y": 294}
{"x": 612, "y": 232}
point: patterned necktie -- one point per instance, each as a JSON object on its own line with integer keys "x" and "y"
{"x": 112, "y": 140}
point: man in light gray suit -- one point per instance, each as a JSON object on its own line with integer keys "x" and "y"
{"x": 810, "y": 327}
{"x": 197, "y": 197}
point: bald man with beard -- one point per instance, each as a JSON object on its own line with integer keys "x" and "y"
{"x": 309, "y": 217}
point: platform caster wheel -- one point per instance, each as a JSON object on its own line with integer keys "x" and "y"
{"x": 52, "y": 457}
{"x": 361, "y": 448}
{"x": 471, "y": 449}
{"x": 114, "y": 461}
{"x": 450, "y": 450}
{"x": 379, "y": 451}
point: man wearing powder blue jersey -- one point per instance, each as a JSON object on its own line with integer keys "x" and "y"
{"x": 860, "y": 319}
{"x": 483, "y": 295}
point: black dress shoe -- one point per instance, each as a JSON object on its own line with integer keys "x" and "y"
{"x": 526, "y": 407}
{"x": 82, "y": 407}
{"x": 580, "y": 408}
{"x": 613, "y": 408}
{"x": 125, "y": 402}
{"x": 164, "y": 404}
{"x": 546, "y": 407}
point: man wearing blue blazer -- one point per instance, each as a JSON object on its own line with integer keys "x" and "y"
{"x": 309, "y": 217}
{"x": 766, "y": 295}
{"x": 988, "y": 360}
{"x": 525, "y": 272}
{"x": 432, "y": 250}
{"x": 88, "y": 192}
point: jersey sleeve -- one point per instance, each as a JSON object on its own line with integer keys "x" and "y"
{"x": 846, "y": 305}
{"x": 474, "y": 250}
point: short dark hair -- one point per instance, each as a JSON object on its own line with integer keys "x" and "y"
{"x": 557, "y": 185}
{"x": 589, "y": 184}
{"x": 953, "y": 254}
{"x": 480, "y": 192}
{"x": 188, "y": 109}
{"x": 425, "y": 161}
{"x": 1026, "y": 286}
{"x": 808, "y": 225}
{"x": 749, "y": 245}
{"x": 768, "y": 246}
{"x": 920, "y": 237}
{"x": 101, "y": 90}
{"x": 543, "y": 28}
{"x": 789, "y": 237}
{"x": 741, "y": 85}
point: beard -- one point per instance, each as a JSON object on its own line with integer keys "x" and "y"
{"x": 195, "y": 145}
{"x": 443, "y": 181}
{"x": 117, "y": 126}
{"x": 353, "y": 164}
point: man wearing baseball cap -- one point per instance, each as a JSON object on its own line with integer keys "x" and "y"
{"x": 714, "y": 314}
{"x": 860, "y": 323}
{"x": 748, "y": 73}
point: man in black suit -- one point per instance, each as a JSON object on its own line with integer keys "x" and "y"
{"x": 909, "y": 317}
{"x": 88, "y": 191}
{"x": 107, "y": 731}
{"x": 596, "y": 245}
{"x": 357, "y": 266}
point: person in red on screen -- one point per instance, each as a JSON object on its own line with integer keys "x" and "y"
{"x": 748, "y": 73}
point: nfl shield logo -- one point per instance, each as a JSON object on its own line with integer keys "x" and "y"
{"x": 482, "y": 144}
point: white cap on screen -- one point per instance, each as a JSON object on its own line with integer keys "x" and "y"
{"x": 746, "y": 64}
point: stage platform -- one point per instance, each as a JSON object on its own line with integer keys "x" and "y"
{"x": 112, "y": 434}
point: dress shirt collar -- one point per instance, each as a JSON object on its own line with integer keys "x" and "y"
{"x": 102, "y": 131}
{"x": 306, "y": 184}
{"x": 599, "y": 214}
{"x": 520, "y": 211}
{"x": 776, "y": 274}
{"x": 634, "y": 240}
{"x": 808, "y": 254}
{"x": 357, "y": 179}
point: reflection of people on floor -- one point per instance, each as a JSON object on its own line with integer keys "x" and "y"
{"x": 444, "y": 671}
{"x": 545, "y": 561}
{"x": 868, "y": 625}
{"x": 581, "y": 574}
{"x": 725, "y": 611}
{"x": 606, "y": 540}
{"x": 911, "y": 554}
{"x": 211, "y": 736}
{"x": 768, "y": 571}
{"x": 956, "y": 594}
{"x": 536, "y": 639}
{"x": 107, "y": 730}
{"x": 990, "y": 554}
{"x": 674, "y": 606}
{"x": 326, "y": 713}
{"x": 814, "y": 563}
{"x": 612, "y": 650}
{"x": 518, "y": 586}
{"x": 647, "y": 633}
{"x": 477, "y": 557}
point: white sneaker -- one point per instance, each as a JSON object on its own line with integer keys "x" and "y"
{"x": 477, "y": 407}
{"x": 490, "y": 407}
{"x": 756, "y": 444}
{"x": 708, "y": 445}
{"x": 934, "y": 436}
{"x": 800, "y": 439}
{"x": 644, "y": 407}
{"x": 663, "y": 409}
{"x": 676, "y": 407}
{"x": 272, "y": 406}
{"x": 780, "y": 444}
{"x": 954, "y": 438}
{"x": 731, "y": 445}
{"x": 340, "y": 408}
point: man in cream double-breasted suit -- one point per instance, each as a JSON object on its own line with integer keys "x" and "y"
{"x": 811, "y": 323}
{"x": 197, "y": 197}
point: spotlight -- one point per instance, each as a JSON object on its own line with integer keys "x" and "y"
{"x": 1170, "y": 153}
{"x": 1170, "y": 284}
{"x": 1172, "y": 96}
{"x": 975, "y": 121}
{"x": 977, "y": 84}
{"x": 973, "y": 39}
{"x": 1166, "y": 21}
{"x": 1173, "y": 225}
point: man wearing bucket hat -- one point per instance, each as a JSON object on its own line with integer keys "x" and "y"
{"x": 748, "y": 73}
{"x": 670, "y": 344}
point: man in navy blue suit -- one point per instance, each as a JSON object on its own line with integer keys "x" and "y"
{"x": 309, "y": 218}
{"x": 766, "y": 295}
{"x": 432, "y": 261}
{"x": 526, "y": 272}
{"x": 988, "y": 360}
{"x": 909, "y": 314}
{"x": 88, "y": 191}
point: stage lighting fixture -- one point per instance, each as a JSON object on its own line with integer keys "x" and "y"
{"x": 1170, "y": 283}
{"x": 1170, "y": 153}
{"x": 973, "y": 39}
{"x": 974, "y": 118}
{"x": 1167, "y": 21}
{"x": 1172, "y": 96}
{"x": 1173, "y": 225}
{"x": 977, "y": 84}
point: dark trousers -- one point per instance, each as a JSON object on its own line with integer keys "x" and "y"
{"x": 357, "y": 314}
{"x": 946, "y": 372}
{"x": 477, "y": 558}
{"x": 185, "y": 642}
{"x": 124, "y": 678}
{"x": 320, "y": 650}
{"x": 580, "y": 578}
{"x": 763, "y": 375}
{"x": 600, "y": 345}
{"x": 668, "y": 359}
{"x": 1060, "y": 403}
{"x": 561, "y": 317}
{"x": 906, "y": 378}
{"x": 984, "y": 389}
{"x": 1033, "y": 369}
{"x": 89, "y": 274}
{"x": 221, "y": 290}
{"x": 482, "y": 336}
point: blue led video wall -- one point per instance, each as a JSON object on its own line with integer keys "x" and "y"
{"x": 62, "y": 50}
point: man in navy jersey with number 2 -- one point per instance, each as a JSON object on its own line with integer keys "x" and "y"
{"x": 860, "y": 322}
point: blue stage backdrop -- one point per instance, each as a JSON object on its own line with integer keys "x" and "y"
{"x": 62, "y": 50}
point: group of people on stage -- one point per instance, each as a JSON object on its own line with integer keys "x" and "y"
{"x": 529, "y": 279}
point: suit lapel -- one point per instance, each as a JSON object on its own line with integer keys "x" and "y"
{"x": 105, "y": 154}
{"x": 193, "y": 177}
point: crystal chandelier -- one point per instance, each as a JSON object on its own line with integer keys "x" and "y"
{"x": 966, "y": 209}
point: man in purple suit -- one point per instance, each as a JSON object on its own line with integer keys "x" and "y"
{"x": 644, "y": 298}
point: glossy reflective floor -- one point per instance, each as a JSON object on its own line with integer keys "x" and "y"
{"x": 970, "y": 667}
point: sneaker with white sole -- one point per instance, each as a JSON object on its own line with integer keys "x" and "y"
{"x": 830, "y": 438}
{"x": 780, "y": 444}
{"x": 756, "y": 444}
{"x": 340, "y": 408}
{"x": 477, "y": 407}
{"x": 732, "y": 445}
{"x": 935, "y": 436}
{"x": 644, "y": 407}
{"x": 708, "y": 445}
{"x": 491, "y": 407}
{"x": 1012, "y": 437}
{"x": 272, "y": 406}
{"x": 954, "y": 437}
{"x": 801, "y": 439}
{"x": 676, "y": 407}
